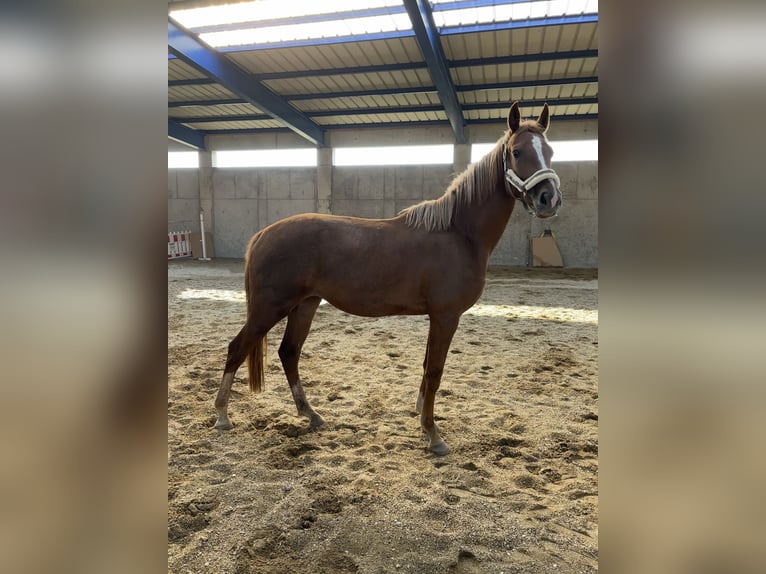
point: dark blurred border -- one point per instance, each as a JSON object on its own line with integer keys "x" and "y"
{"x": 83, "y": 293}
{"x": 83, "y": 100}
{"x": 681, "y": 325}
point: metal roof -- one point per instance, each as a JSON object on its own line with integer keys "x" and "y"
{"x": 464, "y": 74}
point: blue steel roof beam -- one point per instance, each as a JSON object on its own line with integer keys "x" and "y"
{"x": 438, "y": 108}
{"x": 411, "y": 90}
{"x": 191, "y": 82}
{"x": 423, "y": 123}
{"x": 393, "y": 91}
{"x": 373, "y": 69}
{"x": 183, "y": 134}
{"x": 430, "y": 45}
{"x": 190, "y": 49}
{"x": 523, "y": 58}
{"x": 394, "y": 110}
{"x": 202, "y": 103}
{"x": 526, "y": 84}
{"x": 427, "y": 90}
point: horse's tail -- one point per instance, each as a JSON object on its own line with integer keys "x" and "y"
{"x": 257, "y": 354}
{"x": 255, "y": 360}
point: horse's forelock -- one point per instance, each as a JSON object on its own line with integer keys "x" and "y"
{"x": 527, "y": 126}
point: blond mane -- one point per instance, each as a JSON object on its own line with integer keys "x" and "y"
{"x": 471, "y": 187}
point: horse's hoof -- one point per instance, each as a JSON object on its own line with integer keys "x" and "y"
{"x": 315, "y": 422}
{"x": 439, "y": 449}
{"x": 223, "y": 425}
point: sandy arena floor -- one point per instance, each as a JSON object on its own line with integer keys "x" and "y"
{"x": 518, "y": 407}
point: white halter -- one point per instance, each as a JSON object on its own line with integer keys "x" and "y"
{"x": 524, "y": 185}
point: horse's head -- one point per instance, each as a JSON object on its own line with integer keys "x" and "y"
{"x": 527, "y": 164}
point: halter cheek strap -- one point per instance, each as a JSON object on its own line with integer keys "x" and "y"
{"x": 523, "y": 186}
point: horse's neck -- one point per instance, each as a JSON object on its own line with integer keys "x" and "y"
{"x": 485, "y": 222}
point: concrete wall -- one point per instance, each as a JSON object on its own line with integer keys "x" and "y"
{"x": 239, "y": 202}
{"x": 380, "y": 192}
{"x": 247, "y": 200}
{"x": 183, "y": 199}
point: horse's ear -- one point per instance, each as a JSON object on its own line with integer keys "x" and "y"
{"x": 545, "y": 118}
{"x": 514, "y": 117}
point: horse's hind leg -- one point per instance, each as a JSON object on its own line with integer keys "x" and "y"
{"x": 422, "y": 392}
{"x": 298, "y": 325}
{"x": 249, "y": 336}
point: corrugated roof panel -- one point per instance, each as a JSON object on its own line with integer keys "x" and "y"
{"x": 357, "y": 102}
{"x": 180, "y": 70}
{"x": 521, "y": 41}
{"x": 328, "y": 56}
{"x": 524, "y": 71}
{"x": 349, "y": 82}
{"x": 248, "y": 125}
{"x": 212, "y": 111}
{"x": 363, "y": 119}
{"x": 208, "y": 91}
{"x": 589, "y": 67}
{"x": 547, "y": 93}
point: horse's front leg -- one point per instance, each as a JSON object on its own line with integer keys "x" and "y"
{"x": 440, "y": 333}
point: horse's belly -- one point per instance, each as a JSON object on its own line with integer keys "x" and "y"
{"x": 370, "y": 306}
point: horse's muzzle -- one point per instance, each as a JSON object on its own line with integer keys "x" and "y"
{"x": 548, "y": 203}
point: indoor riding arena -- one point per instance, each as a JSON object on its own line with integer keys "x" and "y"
{"x": 421, "y": 178}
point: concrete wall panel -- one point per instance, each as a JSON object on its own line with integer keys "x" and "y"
{"x": 409, "y": 182}
{"x": 187, "y": 181}
{"x": 236, "y": 220}
{"x": 183, "y": 200}
{"x": 281, "y": 208}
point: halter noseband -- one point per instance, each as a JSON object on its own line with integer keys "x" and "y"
{"x": 523, "y": 186}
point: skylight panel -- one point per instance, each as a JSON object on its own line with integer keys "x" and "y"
{"x": 261, "y": 10}
{"x": 309, "y": 30}
{"x": 518, "y": 11}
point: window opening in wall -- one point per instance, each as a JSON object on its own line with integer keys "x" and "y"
{"x": 575, "y": 150}
{"x": 393, "y": 155}
{"x": 302, "y": 157}
{"x": 183, "y": 160}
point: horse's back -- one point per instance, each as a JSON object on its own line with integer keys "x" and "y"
{"x": 369, "y": 267}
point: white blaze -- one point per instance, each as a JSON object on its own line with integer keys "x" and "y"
{"x": 538, "y": 145}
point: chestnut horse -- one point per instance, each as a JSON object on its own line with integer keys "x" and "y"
{"x": 431, "y": 260}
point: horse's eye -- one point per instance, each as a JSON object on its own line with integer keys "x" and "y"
{"x": 516, "y": 153}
